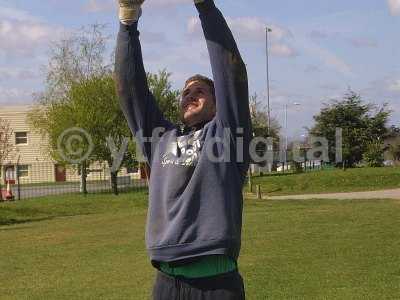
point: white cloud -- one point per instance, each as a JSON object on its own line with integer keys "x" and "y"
{"x": 363, "y": 42}
{"x": 334, "y": 61}
{"x": 394, "y": 86}
{"x": 355, "y": 41}
{"x": 166, "y": 3}
{"x": 11, "y": 73}
{"x": 283, "y": 50}
{"x": 318, "y": 34}
{"x": 252, "y": 29}
{"x": 95, "y": 6}
{"x": 21, "y": 34}
{"x": 386, "y": 89}
{"x": 328, "y": 58}
{"x": 394, "y": 7}
{"x": 16, "y": 14}
{"x": 12, "y": 96}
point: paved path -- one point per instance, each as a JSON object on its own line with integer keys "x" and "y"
{"x": 384, "y": 194}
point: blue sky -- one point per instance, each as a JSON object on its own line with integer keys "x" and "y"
{"x": 318, "y": 48}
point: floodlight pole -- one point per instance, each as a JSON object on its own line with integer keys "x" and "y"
{"x": 268, "y": 103}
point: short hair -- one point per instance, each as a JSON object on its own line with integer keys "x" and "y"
{"x": 203, "y": 79}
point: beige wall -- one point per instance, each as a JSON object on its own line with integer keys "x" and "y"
{"x": 41, "y": 168}
{"x": 35, "y": 150}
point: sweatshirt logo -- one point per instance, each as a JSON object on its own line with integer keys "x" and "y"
{"x": 184, "y": 151}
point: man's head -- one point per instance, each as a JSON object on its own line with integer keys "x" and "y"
{"x": 198, "y": 101}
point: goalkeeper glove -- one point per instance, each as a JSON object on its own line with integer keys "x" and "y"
{"x": 129, "y": 10}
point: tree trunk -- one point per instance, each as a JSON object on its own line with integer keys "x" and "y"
{"x": 250, "y": 180}
{"x": 114, "y": 183}
{"x": 1, "y": 187}
{"x": 83, "y": 186}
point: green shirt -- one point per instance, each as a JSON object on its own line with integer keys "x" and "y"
{"x": 205, "y": 267}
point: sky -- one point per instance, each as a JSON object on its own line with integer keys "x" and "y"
{"x": 318, "y": 49}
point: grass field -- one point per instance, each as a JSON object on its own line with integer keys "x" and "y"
{"x": 330, "y": 181}
{"x": 93, "y": 248}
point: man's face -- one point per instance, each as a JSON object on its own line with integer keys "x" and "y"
{"x": 197, "y": 104}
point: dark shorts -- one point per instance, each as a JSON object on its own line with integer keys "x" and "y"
{"x": 227, "y": 286}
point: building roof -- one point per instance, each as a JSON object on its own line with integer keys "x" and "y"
{"x": 15, "y": 109}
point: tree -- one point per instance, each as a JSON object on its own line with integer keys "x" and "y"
{"x": 74, "y": 59}
{"x": 373, "y": 154}
{"x": 167, "y": 98}
{"x": 360, "y": 122}
{"x": 392, "y": 144}
{"x": 6, "y": 145}
{"x": 80, "y": 93}
{"x": 394, "y": 151}
{"x": 93, "y": 106}
{"x": 259, "y": 119}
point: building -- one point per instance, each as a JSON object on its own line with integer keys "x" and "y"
{"x": 31, "y": 154}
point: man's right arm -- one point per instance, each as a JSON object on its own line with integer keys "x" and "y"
{"x": 137, "y": 102}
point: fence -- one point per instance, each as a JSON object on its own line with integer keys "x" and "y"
{"x": 286, "y": 162}
{"x": 34, "y": 180}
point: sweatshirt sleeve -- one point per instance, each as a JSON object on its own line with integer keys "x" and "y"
{"x": 229, "y": 73}
{"x": 137, "y": 102}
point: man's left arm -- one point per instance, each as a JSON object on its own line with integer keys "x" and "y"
{"x": 229, "y": 72}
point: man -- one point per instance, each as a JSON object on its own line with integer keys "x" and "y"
{"x": 193, "y": 232}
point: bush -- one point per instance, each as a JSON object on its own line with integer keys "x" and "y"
{"x": 373, "y": 156}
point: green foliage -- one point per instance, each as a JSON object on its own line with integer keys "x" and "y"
{"x": 91, "y": 104}
{"x": 80, "y": 93}
{"x": 373, "y": 154}
{"x": 259, "y": 119}
{"x": 394, "y": 151}
{"x": 167, "y": 98}
{"x": 6, "y": 144}
{"x": 75, "y": 59}
{"x": 361, "y": 123}
{"x": 392, "y": 144}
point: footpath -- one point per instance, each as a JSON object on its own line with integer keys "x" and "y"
{"x": 383, "y": 194}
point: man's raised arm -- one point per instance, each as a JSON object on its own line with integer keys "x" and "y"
{"x": 137, "y": 102}
{"x": 229, "y": 72}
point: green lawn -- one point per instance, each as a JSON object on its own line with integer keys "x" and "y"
{"x": 93, "y": 248}
{"x": 330, "y": 181}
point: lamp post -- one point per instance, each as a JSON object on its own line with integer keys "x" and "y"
{"x": 268, "y": 103}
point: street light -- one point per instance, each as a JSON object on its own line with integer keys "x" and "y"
{"x": 268, "y": 104}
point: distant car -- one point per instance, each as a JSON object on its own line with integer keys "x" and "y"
{"x": 388, "y": 163}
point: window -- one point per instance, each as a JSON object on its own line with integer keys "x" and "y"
{"x": 23, "y": 170}
{"x": 21, "y": 138}
{"x": 9, "y": 172}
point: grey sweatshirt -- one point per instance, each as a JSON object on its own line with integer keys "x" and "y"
{"x": 195, "y": 201}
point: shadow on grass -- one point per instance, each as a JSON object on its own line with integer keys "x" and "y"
{"x": 11, "y": 221}
{"x": 51, "y": 207}
{"x": 123, "y": 190}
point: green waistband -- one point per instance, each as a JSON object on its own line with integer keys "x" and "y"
{"x": 206, "y": 267}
